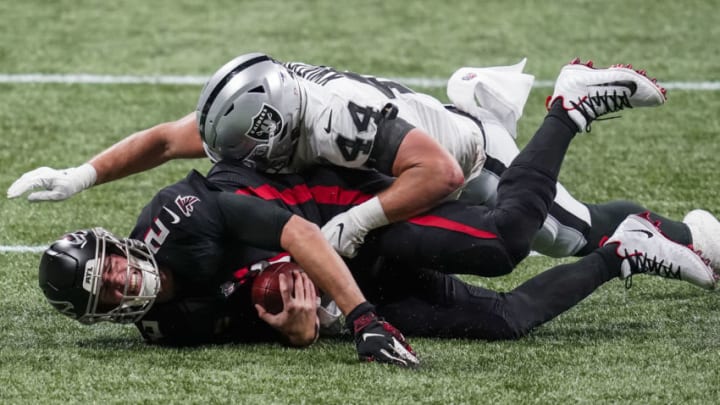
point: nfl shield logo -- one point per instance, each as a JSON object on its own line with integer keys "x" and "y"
{"x": 266, "y": 124}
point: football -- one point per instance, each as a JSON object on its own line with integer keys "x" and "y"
{"x": 266, "y": 286}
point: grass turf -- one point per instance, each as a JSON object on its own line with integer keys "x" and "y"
{"x": 655, "y": 343}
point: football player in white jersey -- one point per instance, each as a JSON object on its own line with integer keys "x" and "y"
{"x": 324, "y": 116}
{"x": 283, "y": 117}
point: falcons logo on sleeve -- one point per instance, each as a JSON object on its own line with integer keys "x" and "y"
{"x": 186, "y": 204}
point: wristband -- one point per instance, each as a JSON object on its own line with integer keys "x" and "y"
{"x": 356, "y": 313}
{"x": 86, "y": 174}
{"x": 370, "y": 214}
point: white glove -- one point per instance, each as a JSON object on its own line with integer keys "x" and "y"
{"x": 56, "y": 184}
{"x": 346, "y": 231}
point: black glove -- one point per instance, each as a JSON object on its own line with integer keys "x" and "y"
{"x": 377, "y": 340}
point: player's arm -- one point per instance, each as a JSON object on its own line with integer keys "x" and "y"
{"x": 426, "y": 173}
{"x": 138, "y": 152}
{"x": 149, "y": 148}
{"x": 267, "y": 226}
{"x": 264, "y": 225}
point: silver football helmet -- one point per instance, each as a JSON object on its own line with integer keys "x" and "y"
{"x": 249, "y": 110}
{"x": 71, "y": 276}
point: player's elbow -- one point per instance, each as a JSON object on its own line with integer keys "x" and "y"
{"x": 179, "y": 139}
{"x": 298, "y": 233}
{"x": 447, "y": 175}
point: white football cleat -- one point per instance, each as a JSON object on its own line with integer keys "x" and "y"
{"x": 705, "y": 231}
{"x": 588, "y": 93}
{"x": 647, "y": 250}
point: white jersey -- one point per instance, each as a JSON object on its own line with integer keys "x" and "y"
{"x": 341, "y": 115}
{"x": 340, "y": 127}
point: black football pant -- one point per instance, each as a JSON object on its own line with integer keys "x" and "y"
{"x": 429, "y": 303}
{"x": 424, "y": 302}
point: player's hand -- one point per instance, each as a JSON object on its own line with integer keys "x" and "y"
{"x": 298, "y": 320}
{"x": 344, "y": 234}
{"x": 346, "y": 231}
{"x": 377, "y": 340}
{"x": 55, "y": 185}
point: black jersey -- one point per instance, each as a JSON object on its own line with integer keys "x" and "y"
{"x": 317, "y": 194}
{"x": 185, "y": 227}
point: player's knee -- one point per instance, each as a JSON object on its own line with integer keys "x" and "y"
{"x": 515, "y": 331}
{"x": 518, "y": 248}
{"x": 507, "y": 328}
{"x": 516, "y": 235}
{"x": 484, "y": 262}
{"x": 553, "y": 242}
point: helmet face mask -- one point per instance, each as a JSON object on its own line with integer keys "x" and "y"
{"x": 71, "y": 276}
{"x": 249, "y": 111}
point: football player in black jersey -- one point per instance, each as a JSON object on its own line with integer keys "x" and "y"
{"x": 206, "y": 234}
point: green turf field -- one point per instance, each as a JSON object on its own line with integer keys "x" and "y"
{"x": 658, "y": 342}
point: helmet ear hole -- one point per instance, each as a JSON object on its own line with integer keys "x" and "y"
{"x": 258, "y": 89}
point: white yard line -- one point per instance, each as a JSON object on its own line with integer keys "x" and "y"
{"x": 21, "y": 249}
{"x": 426, "y": 82}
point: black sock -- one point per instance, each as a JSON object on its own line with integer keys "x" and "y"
{"x": 546, "y": 149}
{"x": 676, "y": 231}
{"x": 606, "y": 217}
{"x": 558, "y": 111}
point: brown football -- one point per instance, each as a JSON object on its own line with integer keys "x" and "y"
{"x": 266, "y": 286}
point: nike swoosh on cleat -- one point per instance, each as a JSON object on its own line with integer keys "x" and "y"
{"x": 365, "y": 336}
{"x": 629, "y": 84}
{"x": 647, "y": 233}
{"x": 329, "y": 125}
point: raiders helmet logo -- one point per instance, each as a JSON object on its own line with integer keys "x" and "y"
{"x": 266, "y": 124}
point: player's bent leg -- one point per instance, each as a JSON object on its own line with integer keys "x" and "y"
{"x": 527, "y": 188}
{"x": 563, "y": 232}
{"x": 445, "y": 306}
{"x": 556, "y": 290}
{"x": 565, "y": 229}
{"x": 454, "y": 238}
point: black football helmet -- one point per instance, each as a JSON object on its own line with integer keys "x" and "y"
{"x": 71, "y": 276}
